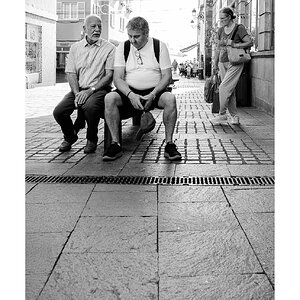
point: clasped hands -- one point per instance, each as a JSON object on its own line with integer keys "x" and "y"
{"x": 137, "y": 100}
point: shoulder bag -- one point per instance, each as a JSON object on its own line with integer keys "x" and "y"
{"x": 237, "y": 56}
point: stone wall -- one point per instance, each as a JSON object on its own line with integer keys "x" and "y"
{"x": 262, "y": 78}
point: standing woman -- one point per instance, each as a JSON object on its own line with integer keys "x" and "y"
{"x": 229, "y": 73}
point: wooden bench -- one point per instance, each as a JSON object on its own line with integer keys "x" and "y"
{"x": 135, "y": 121}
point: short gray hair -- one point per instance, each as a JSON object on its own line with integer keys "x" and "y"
{"x": 139, "y": 24}
{"x": 90, "y": 16}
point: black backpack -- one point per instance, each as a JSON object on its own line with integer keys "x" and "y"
{"x": 155, "y": 46}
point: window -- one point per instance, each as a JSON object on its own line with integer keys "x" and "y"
{"x": 33, "y": 48}
{"x": 70, "y": 10}
{"x": 252, "y": 26}
{"x": 112, "y": 19}
{"x": 122, "y": 24}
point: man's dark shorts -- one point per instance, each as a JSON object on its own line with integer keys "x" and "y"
{"x": 127, "y": 110}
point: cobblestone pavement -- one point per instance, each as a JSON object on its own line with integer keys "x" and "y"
{"x": 156, "y": 241}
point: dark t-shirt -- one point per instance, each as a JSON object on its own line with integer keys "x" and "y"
{"x": 238, "y": 38}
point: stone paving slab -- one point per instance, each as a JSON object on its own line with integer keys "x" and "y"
{"x": 255, "y": 170}
{"x": 197, "y": 169}
{"x": 126, "y": 276}
{"x": 52, "y": 217}
{"x": 148, "y": 169}
{"x": 245, "y": 199}
{"x": 29, "y": 187}
{"x": 100, "y": 187}
{"x": 34, "y": 285}
{"x": 220, "y": 252}
{"x": 41, "y": 168}
{"x": 117, "y": 204}
{"x": 199, "y": 216}
{"x": 60, "y": 193}
{"x": 208, "y": 287}
{"x": 42, "y": 250}
{"x": 92, "y": 169}
{"x": 108, "y": 234}
{"x": 259, "y": 228}
{"x": 190, "y": 193}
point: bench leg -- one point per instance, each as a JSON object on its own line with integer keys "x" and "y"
{"x": 108, "y": 138}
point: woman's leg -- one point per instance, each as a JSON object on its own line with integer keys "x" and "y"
{"x": 230, "y": 76}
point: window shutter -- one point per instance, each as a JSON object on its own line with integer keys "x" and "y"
{"x": 81, "y": 10}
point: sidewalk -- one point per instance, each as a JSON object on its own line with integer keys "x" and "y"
{"x": 155, "y": 241}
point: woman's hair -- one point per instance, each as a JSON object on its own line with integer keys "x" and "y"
{"x": 138, "y": 24}
{"x": 228, "y": 11}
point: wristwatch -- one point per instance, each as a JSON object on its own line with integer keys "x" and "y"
{"x": 93, "y": 89}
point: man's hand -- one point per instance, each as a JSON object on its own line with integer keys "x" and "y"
{"x": 149, "y": 99}
{"x": 135, "y": 100}
{"x": 82, "y": 96}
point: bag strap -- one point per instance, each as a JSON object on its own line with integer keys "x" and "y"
{"x": 156, "y": 46}
{"x": 234, "y": 32}
{"x": 126, "y": 50}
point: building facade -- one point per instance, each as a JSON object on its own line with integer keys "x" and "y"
{"x": 258, "y": 18}
{"x": 40, "y": 32}
{"x": 71, "y": 15}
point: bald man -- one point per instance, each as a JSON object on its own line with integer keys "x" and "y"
{"x": 89, "y": 72}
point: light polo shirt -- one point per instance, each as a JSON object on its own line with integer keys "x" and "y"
{"x": 146, "y": 75}
{"x": 89, "y": 62}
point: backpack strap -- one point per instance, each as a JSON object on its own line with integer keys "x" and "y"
{"x": 156, "y": 46}
{"x": 126, "y": 50}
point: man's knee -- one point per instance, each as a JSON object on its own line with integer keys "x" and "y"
{"x": 111, "y": 101}
{"x": 57, "y": 112}
{"x": 168, "y": 100}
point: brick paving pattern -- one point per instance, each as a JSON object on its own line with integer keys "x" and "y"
{"x": 198, "y": 140}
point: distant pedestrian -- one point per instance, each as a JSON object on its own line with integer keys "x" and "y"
{"x": 141, "y": 81}
{"x": 89, "y": 71}
{"x": 174, "y": 65}
{"x": 229, "y": 73}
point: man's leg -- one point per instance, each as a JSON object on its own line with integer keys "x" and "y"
{"x": 112, "y": 114}
{"x": 167, "y": 101}
{"x": 62, "y": 113}
{"x": 93, "y": 110}
{"x": 112, "y": 118}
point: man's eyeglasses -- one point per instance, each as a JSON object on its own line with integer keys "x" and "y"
{"x": 139, "y": 58}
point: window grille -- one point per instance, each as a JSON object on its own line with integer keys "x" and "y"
{"x": 70, "y": 10}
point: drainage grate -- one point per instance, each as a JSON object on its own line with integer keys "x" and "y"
{"x": 146, "y": 180}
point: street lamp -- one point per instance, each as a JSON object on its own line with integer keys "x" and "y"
{"x": 194, "y": 12}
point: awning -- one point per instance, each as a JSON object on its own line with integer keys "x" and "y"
{"x": 189, "y": 48}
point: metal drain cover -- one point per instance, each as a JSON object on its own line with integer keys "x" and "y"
{"x": 146, "y": 180}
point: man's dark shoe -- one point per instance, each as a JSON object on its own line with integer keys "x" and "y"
{"x": 66, "y": 145}
{"x": 113, "y": 152}
{"x": 90, "y": 147}
{"x": 171, "y": 152}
